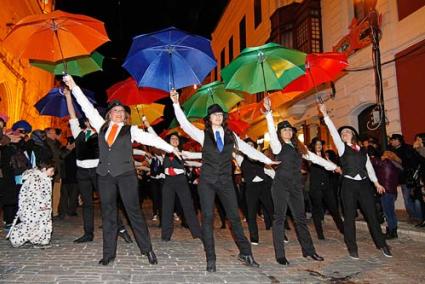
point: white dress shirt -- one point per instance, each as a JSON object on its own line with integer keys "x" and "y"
{"x": 340, "y": 146}
{"x": 76, "y": 130}
{"x": 239, "y": 159}
{"x": 277, "y": 147}
{"x": 96, "y": 120}
{"x": 198, "y": 135}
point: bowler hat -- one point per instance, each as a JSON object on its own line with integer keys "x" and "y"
{"x": 113, "y": 104}
{"x": 285, "y": 124}
{"x": 348, "y": 127}
{"x": 214, "y": 108}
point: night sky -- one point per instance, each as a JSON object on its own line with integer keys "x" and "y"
{"x": 125, "y": 19}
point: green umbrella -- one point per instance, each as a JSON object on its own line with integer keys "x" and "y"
{"x": 77, "y": 66}
{"x": 264, "y": 68}
{"x": 209, "y": 94}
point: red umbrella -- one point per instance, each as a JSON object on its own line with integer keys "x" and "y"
{"x": 238, "y": 126}
{"x": 320, "y": 68}
{"x": 129, "y": 93}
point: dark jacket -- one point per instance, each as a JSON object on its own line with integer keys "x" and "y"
{"x": 387, "y": 174}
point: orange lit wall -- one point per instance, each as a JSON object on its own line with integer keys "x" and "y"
{"x": 20, "y": 84}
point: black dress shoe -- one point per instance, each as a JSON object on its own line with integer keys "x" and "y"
{"x": 353, "y": 254}
{"x": 282, "y": 261}
{"x": 84, "y": 239}
{"x": 386, "y": 251}
{"x": 248, "y": 260}
{"x": 211, "y": 266}
{"x": 314, "y": 256}
{"x": 106, "y": 260}
{"x": 152, "y": 257}
{"x": 124, "y": 234}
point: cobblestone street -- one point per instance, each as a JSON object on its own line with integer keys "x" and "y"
{"x": 182, "y": 260}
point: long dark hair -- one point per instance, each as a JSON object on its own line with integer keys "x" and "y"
{"x": 227, "y": 132}
{"x": 298, "y": 145}
{"x": 313, "y": 143}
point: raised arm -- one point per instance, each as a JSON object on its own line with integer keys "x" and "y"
{"x": 275, "y": 144}
{"x": 149, "y": 139}
{"x": 253, "y": 153}
{"x": 89, "y": 110}
{"x": 328, "y": 165}
{"x": 332, "y": 130}
{"x": 194, "y": 132}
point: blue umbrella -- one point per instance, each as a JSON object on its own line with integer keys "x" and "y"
{"x": 54, "y": 103}
{"x": 169, "y": 59}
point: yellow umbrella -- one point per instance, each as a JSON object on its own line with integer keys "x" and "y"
{"x": 152, "y": 112}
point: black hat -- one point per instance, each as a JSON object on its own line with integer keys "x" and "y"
{"x": 398, "y": 137}
{"x": 214, "y": 108}
{"x": 113, "y": 104}
{"x": 348, "y": 127}
{"x": 285, "y": 124}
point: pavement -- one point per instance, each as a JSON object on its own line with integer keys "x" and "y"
{"x": 182, "y": 259}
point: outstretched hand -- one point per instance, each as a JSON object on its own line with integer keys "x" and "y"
{"x": 274, "y": 163}
{"x": 178, "y": 154}
{"x": 267, "y": 104}
{"x": 380, "y": 189}
{"x": 146, "y": 122}
{"x": 323, "y": 110}
{"x": 174, "y": 95}
{"x": 69, "y": 81}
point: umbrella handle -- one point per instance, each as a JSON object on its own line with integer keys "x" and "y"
{"x": 141, "y": 117}
{"x": 171, "y": 71}
{"x": 60, "y": 46}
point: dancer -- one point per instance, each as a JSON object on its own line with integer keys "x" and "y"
{"x": 116, "y": 172}
{"x": 356, "y": 188}
{"x": 287, "y": 189}
{"x": 216, "y": 176}
{"x": 255, "y": 176}
{"x": 87, "y": 152}
{"x": 322, "y": 193}
{"x": 175, "y": 183}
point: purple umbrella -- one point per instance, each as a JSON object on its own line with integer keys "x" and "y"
{"x": 54, "y": 103}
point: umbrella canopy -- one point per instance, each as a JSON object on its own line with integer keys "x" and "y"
{"x": 55, "y": 36}
{"x": 248, "y": 112}
{"x": 263, "y": 68}
{"x": 209, "y": 94}
{"x": 152, "y": 112}
{"x": 320, "y": 68}
{"x": 169, "y": 59}
{"x": 54, "y": 103}
{"x": 129, "y": 93}
{"x": 77, "y": 66}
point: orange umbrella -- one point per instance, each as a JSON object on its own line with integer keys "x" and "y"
{"x": 248, "y": 112}
{"x": 279, "y": 98}
{"x": 55, "y": 36}
{"x": 152, "y": 112}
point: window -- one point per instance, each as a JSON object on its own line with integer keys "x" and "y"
{"x": 242, "y": 34}
{"x": 231, "y": 49}
{"x": 257, "y": 13}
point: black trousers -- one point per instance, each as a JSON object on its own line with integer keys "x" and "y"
{"x": 177, "y": 185}
{"x": 255, "y": 193}
{"x": 126, "y": 186}
{"x": 355, "y": 192}
{"x": 227, "y": 195}
{"x": 286, "y": 195}
{"x": 87, "y": 184}
{"x": 156, "y": 188}
{"x": 322, "y": 196}
{"x": 68, "y": 201}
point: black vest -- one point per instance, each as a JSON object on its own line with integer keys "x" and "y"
{"x": 354, "y": 162}
{"x": 319, "y": 176}
{"x": 118, "y": 158}
{"x": 175, "y": 163}
{"x": 217, "y": 165}
{"x": 289, "y": 171}
{"x": 87, "y": 150}
{"x": 251, "y": 169}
